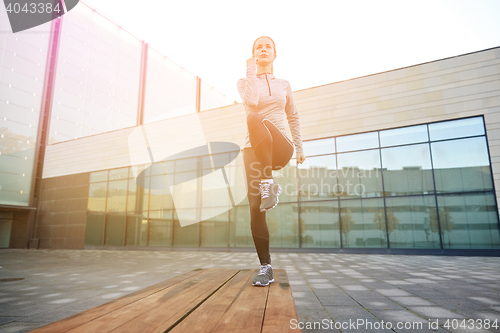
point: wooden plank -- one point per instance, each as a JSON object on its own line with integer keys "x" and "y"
{"x": 173, "y": 310}
{"x": 280, "y": 308}
{"x": 206, "y": 316}
{"x": 203, "y": 301}
{"x": 171, "y": 302}
{"x": 246, "y": 313}
{"x": 81, "y": 318}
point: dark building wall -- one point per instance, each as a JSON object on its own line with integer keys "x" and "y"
{"x": 19, "y": 231}
{"x": 63, "y": 212}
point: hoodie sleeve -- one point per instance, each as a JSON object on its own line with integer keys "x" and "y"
{"x": 293, "y": 120}
{"x": 248, "y": 87}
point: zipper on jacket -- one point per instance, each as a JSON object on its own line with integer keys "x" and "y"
{"x": 268, "y": 85}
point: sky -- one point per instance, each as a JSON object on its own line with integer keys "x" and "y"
{"x": 317, "y": 42}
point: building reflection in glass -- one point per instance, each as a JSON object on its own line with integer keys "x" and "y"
{"x": 409, "y": 192}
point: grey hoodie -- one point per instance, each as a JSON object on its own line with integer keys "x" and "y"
{"x": 271, "y": 97}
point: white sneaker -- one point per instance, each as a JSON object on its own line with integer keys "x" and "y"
{"x": 264, "y": 277}
{"x": 269, "y": 195}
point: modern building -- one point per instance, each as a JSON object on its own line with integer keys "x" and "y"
{"x": 96, "y": 126}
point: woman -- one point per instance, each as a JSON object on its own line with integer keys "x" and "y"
{"x": 267, "y": 147}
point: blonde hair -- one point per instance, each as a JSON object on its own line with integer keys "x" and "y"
{"x": 274, "y": 47}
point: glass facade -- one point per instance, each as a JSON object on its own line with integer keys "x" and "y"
{"x": 212, "y": 98}
{"x": 97, "y": 81}
{"x": 23, "y": 57}
{"x": 123, "y": 212}
{"x": 170, "y": 89}
{"x": 419, "y": 187}
{"x": 96, "y": 89}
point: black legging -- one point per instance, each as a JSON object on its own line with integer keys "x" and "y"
{"x": 270, "y": 150}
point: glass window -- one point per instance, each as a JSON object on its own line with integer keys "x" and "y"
{"x": 412, "y": 222}
{"x": 461, "y": 165}
{"x": 141, "y": 175}
{"x": 358, "y": 220}
{"x": 456, "y": 128}
{"x": 161, "y": 182}
{"x": 214, "y": 193}
{"x": 144, "y": 203}
{"x": 363, "y": 223}
{"x": 160, "y": 198}
{"x": 283, "y": 225}
{"x": 115, "y": 230}
{"x": 142, "y": 170}
{"x": 157, "y": 168}
{"x": 206, "y": 163}
{"x": 215, "y": 161}
{"x": 238, "y": 155}
{"x": 469, "y": 221}
{"x": 187, "y": 236}
{"x": 99, "y": 176}
{"x": 357, "y": 142}
{"x": 401, "y": 136}
{"x": 211, "y": 98}
{"x": 240, "y": 234}
{"x": 407, "y": 170}
{"x": 97, "y": 80}
{"x": 220, "y": 160}
{"x": 237, "y": 183}
{"x": 287, "y": 179}
{"x": 185, "y": 190}
{"x": 132, "y": 195}
{"x": 117, "y": 196}
{"x": 160, "y": 228}
{"x": 214, "y": 231}
{"x": 186, "y": 164}
{"x": 169, "y": 166}
{"x": 170, "y": 89}
{"x": 94, "y": 231}
{"x": 116, "y": 174}
{"x": 318, "y": 178}
{"x": 22, "y": 70}
{"x": 319, "y": 147}
{"x": 97, "y": 197}
{"x": 137, "y": 227}
{"x": 359, "y": 174}
{"x": 319, "y": 224}
{"x": 15, "y": 176}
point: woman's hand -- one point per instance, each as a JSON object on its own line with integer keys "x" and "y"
{"x": 251, "y": 61}
{"x": 301, "y": 158}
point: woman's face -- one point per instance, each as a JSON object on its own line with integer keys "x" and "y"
{"x": 264, "y": 51}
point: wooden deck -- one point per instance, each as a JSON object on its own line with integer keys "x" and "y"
{"x": 203, "y": 300}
